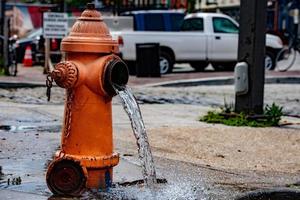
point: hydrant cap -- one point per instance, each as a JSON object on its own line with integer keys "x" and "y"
{"x": 89, "y": 34}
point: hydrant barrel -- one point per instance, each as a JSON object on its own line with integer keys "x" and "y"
{"x": 91, "y": 68}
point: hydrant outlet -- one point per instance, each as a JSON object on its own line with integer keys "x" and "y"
{"x": 66, "y": 177}
{"x": 116, "y": 75}
{"x": 65, "y": 74}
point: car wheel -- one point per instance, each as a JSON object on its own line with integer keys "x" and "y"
{"x": 166, "y": 63}
{"x": 199, "y": 66}
{"x": 269, "y": 61}
{"x": 223, "y": 66}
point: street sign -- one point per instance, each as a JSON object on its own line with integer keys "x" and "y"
{"x": 55, "y": 25}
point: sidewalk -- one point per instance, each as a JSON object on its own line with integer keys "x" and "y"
{"x": 196, "y": 158}
{"x": 34, "y": 76}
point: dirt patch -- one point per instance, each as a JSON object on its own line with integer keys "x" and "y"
{"x": 242, "y": 148}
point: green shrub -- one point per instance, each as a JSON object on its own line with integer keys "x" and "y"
{"x": 272, "y": 116}
{"x": 1, "y": 65}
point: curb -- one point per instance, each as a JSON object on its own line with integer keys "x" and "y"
{"x": 10, "y": 84}
{"x": 222, "y": 81}
{"x": 271, "y": 194}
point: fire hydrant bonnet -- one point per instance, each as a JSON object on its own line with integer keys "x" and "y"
{"x": 89, "y": 34}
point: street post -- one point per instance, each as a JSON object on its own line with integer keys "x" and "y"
{"x": 252, "y": 37}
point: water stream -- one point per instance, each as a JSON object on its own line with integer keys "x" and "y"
{"x": 133, "y": 111}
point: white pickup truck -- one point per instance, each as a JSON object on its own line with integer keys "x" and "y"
{"x": 204, "y": 38}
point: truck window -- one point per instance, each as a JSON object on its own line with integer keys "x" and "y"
{"x": 223, "y": 25}
{"x": 176, "y": 21}
{"x": 193, "y": 24}
{"x": 154, "y": 22}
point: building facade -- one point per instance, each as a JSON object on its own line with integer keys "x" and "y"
{"x": 279, "y": 17}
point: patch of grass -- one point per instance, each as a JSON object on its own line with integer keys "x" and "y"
{"x": 294, "y": 185}
{"x": 2, "y": 72}
{"x": 271, "y": 117}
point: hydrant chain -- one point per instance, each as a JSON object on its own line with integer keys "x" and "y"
{"x": 68, "y": 121}
{"x": 49, "y": 82}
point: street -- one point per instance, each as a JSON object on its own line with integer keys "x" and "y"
{"x": 187, "y": 68}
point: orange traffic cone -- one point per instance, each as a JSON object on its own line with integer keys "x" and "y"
{"x": 27, "y": 61}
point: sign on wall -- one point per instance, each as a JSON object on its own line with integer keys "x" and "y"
{"x": 228, "y": 3}
{"x": 55, "y": 25}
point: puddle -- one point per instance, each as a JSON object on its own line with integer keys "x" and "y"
{"x": 24, "y": 128}
{"x": 16, "y": 128}
{"x": 127, "y": 190}
{"x": 179, "y": 190}
{"x": 140, "y": 182}
{"x": 272, "y": 194}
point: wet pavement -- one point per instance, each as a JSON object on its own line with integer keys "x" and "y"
{"x": 30, "y": 135}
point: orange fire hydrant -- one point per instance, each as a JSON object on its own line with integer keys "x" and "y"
{"x": 91, "y": 68}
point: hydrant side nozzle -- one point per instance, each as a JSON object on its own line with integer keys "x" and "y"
{"x": 116, "y": 74}
{"x": 65, "y": 74}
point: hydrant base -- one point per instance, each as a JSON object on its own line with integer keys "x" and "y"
{"x": 66, "y": 177}
{"x": 93, "y": 172}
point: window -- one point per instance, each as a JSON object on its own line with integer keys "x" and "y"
{"x": 223, "y": 25}
{"x": 176, "y": 21}
{"x": 194, "y": 24}
{"x": 154, "y": 22}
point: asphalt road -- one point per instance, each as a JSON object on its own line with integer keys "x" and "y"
{"x": 180, "y": 68}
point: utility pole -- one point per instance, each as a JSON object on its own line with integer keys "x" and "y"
{"x": 252, "y": 37}
{"x": 2, "y": 16}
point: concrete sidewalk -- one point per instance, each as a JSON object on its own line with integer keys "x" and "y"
{"x": 197, "y": 159}
{"x": 34, "y": 76}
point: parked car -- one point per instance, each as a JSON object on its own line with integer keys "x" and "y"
{"x": 202, "y": 39}
{"x": 36, "y": 41}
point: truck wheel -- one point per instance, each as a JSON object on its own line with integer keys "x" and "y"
{"x": 223, "y": 66}
{"x": 269, "y": 61}
{"x": 166, "y": 63}
{"x": 131, "y": 65}
{"x": 199, "y": 66}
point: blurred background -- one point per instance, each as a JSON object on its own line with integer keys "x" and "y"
{"x": 22, "y": 20}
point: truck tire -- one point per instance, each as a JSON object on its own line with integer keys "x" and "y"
{"x": 131, "y": 65}
{"x": 166, "y": 63}
{"x": 270, "y": 61}
{"x": 199, "y": 66}
{"x": 223, "y": 66}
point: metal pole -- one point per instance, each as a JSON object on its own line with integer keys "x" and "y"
{"x": 2, "y": 16}
{"x": 47, "y": 56}
{"x": 5, "y": 45}
{"x": 252, "y": 39}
